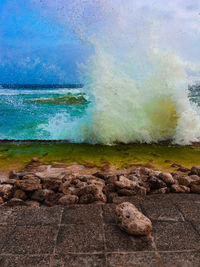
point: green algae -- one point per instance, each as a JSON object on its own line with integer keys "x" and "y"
{"x": 61, "y": 100}
{"x": 162, "y": 156}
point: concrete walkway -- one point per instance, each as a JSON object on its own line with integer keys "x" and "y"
{"x": 86, "y": 235}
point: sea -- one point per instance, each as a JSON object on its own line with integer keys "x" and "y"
{"x": 23, "y": 118}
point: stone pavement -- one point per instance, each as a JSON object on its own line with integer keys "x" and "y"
{"x": 86, "y": 235}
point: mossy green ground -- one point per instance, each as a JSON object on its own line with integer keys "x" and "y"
{"x": 16, "y": 156}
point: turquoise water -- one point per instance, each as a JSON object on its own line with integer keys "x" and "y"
{"x": 22, "y": 118}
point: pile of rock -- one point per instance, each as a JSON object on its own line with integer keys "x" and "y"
{"x": 53, "y": 185}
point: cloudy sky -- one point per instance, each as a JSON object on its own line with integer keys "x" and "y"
{"x": 37, "y": 44}
{"x": 35, "y": 48}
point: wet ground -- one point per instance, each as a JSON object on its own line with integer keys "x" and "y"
{"x": 86, "y": 235}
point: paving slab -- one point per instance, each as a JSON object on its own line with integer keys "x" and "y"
{"x": 86, "y": 235}
{"x": 24, "y": 260}
{"x": 117, "y": 240}
{"x": 80, "y": 238}
{"x": 175, "y": 236}
{"x": 133, "y": 259}
{"x": 31, "y": 240}
{"x": 181, "y": 259}
{"x": 79, "y": 260}
{"x": 82, "y": 214}
{"x": 190, "y": 210}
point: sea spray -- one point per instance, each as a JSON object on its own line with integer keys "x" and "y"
{"x": 138, "y": 74}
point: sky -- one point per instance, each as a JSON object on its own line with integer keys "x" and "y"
{"x": 35, "y": 48}
{"x": 37, "y": 44}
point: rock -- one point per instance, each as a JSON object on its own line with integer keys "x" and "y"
{"x": 187, "y": 180}
{"x": 6, "y": 191}
{"x": 35, "y": 159}
{"x": 167, "y": 178}
{"x": 195, "y": 180}
{"x": 19, "y": 175}
{"x": 9, "y": 181}
{"x": 41, "y": 194}
{"x": 13, "y": 175}
{"x": 145, "y": 171}
{"x": 51, "y": 183}
{"x": 29, "y": 183}
{"x": 52, "y": 199}
{"x": 137, "y": 190}
{"x": 156, "y": 183}
{"x": 163, "y": 190}
{"x": 195, "y": 170}
{"x": 195, "y": 189}
{"x": 111, "y": 196}
{"x": 33, "y": 204}
{"x": 1, "y": 200}
{"x": 125, "y": 183}
{"x": 135, "y": 179}
{"x": 109, "y": 188}
{"x": 20, "y": 194}
{"x": 86, "y": 199}
{"x": 15, "y": 202}
{"x": 111, "y": 179}
{"x": 180, "y": 188}
{"x": 183, "y": 169}
{"x": 69, "y": 199}
{"x": 131, "y": 220}
{"x": 91, "y": 193}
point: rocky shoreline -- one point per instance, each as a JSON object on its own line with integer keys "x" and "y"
{"x": 38, "y": 185}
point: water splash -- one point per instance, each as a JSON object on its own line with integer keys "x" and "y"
{"x": 138, "y": 75}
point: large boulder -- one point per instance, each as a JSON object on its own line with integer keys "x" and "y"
{"x": 131, "y": 220}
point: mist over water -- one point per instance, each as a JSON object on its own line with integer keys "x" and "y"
{"x": 138, "y": 75}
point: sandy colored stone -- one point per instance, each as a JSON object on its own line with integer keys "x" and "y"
{"x": 6, "y": 191}
{"x": 180, "y": 188}
{"x": 167, "y": 178}
{"x": 131, "y": 220}
{"x": 68, "y": 199}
